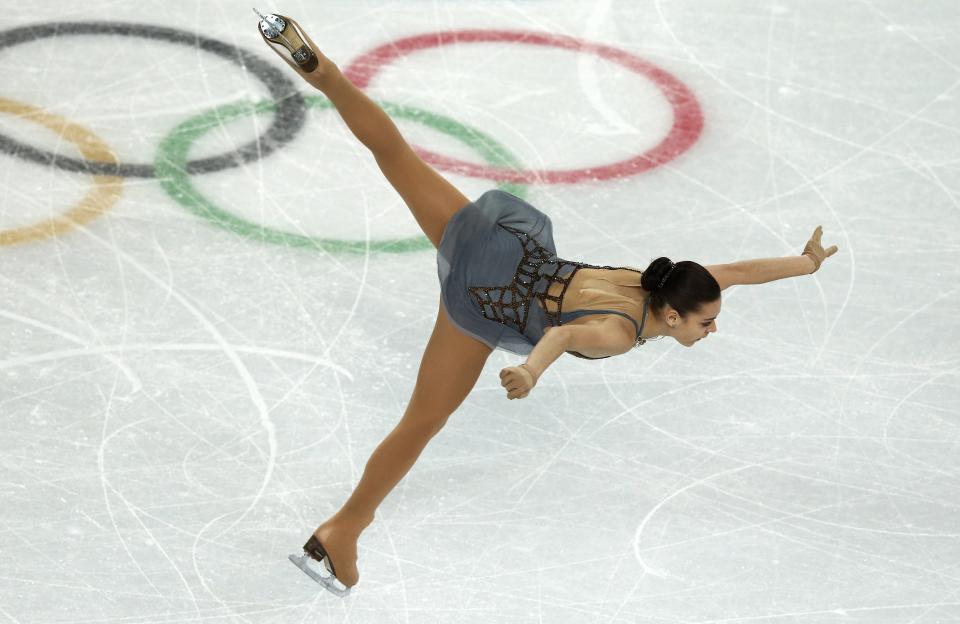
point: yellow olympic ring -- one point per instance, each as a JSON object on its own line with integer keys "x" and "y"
{"x": 106, "y": 189}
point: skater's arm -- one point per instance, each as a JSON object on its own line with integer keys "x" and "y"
{"x": 763, "y": 270}
{"x": 553, "y": 344}
{"x": 607, "y": 337}
{"x": 725, "y": 274}
{"x": 610, "y": 337}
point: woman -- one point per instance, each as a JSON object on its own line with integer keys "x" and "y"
{"x": 503, "y": 287}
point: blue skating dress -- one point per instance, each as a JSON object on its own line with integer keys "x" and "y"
{"x": 496, "y": 262}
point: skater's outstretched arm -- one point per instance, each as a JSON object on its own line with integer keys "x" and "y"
{"x": 763, "y": 270}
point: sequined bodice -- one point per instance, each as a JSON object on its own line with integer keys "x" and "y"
{"x": 537, "y": 271}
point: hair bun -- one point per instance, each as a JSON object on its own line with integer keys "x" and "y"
{"x": 685, "y": 285}
{"x": 657, "y": 274}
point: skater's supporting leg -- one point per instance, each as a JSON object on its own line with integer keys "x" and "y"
{"x": 450, "y": 366}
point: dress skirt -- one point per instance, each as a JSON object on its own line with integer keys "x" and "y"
{"x": 496, "y": 260}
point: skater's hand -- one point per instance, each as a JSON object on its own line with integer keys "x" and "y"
{"x": 518, "y": 381}
{"x": 320, "y": 74}
{"x": 815, "y": 251}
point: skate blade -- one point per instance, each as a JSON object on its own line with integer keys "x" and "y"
{"x": 312, "y": 568}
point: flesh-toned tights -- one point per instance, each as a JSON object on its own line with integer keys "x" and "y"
{"x": 451, "y": 362}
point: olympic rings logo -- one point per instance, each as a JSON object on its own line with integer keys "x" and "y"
{"x": 105, "y": 191}
{"x": 173, "y": 169}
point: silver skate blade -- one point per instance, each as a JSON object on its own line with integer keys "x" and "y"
{"x": 312, "y": 568}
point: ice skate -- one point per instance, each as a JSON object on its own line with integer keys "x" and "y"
{"x": 316, "y": 563}
{"x": 292, "y": 44}
{"x": 285, "y": 33}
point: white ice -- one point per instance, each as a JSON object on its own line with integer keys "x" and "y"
{"x": 182, "y": 404}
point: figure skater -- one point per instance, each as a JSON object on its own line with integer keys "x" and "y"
{"x": 503, "y": 286}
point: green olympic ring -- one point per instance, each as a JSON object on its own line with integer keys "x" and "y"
{"x": 174, "y": 149}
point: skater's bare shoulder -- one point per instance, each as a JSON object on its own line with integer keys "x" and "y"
{"x": 601, "y": 336}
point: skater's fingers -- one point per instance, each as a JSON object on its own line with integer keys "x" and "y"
{"x": 511, "y": 374}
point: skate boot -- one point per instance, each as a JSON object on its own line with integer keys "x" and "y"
{"x": 316, "y": 563}
{"x": 282, "y": 31}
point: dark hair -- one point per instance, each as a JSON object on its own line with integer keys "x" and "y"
{"x": 687, "y": 288}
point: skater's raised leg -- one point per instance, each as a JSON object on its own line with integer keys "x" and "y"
{"x": 430, "y": 197}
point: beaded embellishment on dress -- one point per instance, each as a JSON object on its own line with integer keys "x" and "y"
{"x": 538, "y": 269}
{"x": 510, "y": 304}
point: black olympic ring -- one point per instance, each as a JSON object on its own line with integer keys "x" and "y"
{"x": 289, "y": 118}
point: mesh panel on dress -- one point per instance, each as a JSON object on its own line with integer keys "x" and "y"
{"x": 510, "y": 304}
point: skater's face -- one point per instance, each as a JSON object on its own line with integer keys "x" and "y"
{"x": 698, "y": 325}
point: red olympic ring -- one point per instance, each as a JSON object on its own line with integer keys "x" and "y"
{"x": 687, "y": 115}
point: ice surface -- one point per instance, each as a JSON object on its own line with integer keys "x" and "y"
{"x": 184, "y": 399}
